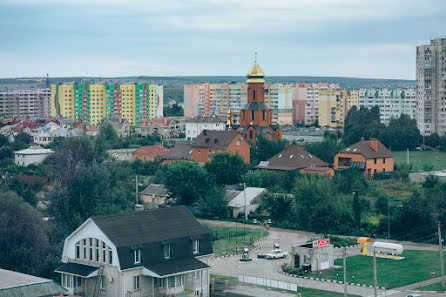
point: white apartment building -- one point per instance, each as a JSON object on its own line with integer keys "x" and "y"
{"x": 194, "y": 126}
{"x": 26, "y": 103}
{"x": 391, "y": 103}
{"x": 431, "y": 87}
{"x": 31, "y": 155}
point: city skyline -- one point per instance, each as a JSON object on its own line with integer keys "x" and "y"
{"x": 211, "y": 38}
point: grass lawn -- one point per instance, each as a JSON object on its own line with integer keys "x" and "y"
{"x": 419, "y": 158}
{"x": 304, "y": 291}
{"x": 416, "y": 266}
{"x": 431, "y": 287}
{"x": 226, "y": 238}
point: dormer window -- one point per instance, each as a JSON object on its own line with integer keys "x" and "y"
{"x": 167, "y": 251}
{"x": 137, "y": 256}
{"x": 196, "y": 246}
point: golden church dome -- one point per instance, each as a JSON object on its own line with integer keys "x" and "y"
{"x": 256, "y": 75}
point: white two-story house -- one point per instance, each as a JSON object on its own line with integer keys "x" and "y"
{"x": 160, "y": 252}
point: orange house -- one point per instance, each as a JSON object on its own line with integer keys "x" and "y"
{"x": 149, "y": 152}
{"x": 210, "y": 143}
{"x": 371, "y": 156}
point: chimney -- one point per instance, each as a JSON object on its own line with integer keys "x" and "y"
{"x": 374, "y": 144}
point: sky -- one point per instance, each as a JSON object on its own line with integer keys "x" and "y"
{"x": 350, "y": 38}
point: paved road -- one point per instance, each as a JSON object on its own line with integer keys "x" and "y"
{"x": 231, "y": 266}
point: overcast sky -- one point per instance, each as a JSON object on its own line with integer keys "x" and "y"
{"x": 354, "y": 38}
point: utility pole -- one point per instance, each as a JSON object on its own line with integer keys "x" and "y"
{"x": 440, "y": 243}
{"x": 375, "y": 278}
{"x": 388, "y": 218}
{"x": 344, "y": 256}
{"x": 246, "y": 212}
{"x": 136, "y": 183}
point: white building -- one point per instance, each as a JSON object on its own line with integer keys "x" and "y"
{"x": 150, "y": 253}
{"x": 391, "y": 103}
{"x": 26, "y": 103}
{"x": 195, "y": 126}
{"x": 431, "y": 87}
{"x": 31, "y": 155}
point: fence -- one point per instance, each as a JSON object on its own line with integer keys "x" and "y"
{"x": 260, "y": 281}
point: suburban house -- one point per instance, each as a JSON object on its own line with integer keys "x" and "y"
{"x": 165, "y": 128}
{"x": 371, "y": 156}
{"x": 194, "y": 126}
{"x": 149, "y": 152}
{"x": 154, "y": 195}
{"x": 19, "y": 284}
{"x": 210, "y": 143}
{"x": 160, "y": 252}
{"x": 33, "y": 155}
{"x": 121, "y": 126}
{"x": 182, "y": 152}
{"x": 252, "y": 196}
{"x": 296, "y": 158}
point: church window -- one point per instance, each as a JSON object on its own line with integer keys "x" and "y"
{"x": 263, "y": 115}
{"x": 252, "y": 115}
{"x": 254, "y": 94}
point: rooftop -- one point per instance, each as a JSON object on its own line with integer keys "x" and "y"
{"x": 34, "y": 150}
{"x": 214, "y": 139}
{"x": 364, "y": 148}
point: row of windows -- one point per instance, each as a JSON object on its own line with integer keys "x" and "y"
{"x": 94, "y": 250}
{"x": 167, "y": 251}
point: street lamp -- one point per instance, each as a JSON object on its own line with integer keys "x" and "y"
{"x": 337, "y": 277}
{"x": 268, "y": 221}
{"x": 245, "y": 211}
{"x": 353, "y": 277}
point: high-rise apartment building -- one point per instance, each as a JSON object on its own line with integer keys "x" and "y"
{"x": 391, "y": 103}
{"x": 431, "y": 87}
{"x": 25, "y": 103}
{"x": 91, "y": 103}
{"x": 332, "y": 107}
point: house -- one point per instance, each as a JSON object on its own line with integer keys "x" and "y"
{"x": 121, "y": 126}
{"x": 19, "y": 284}
{"x": 181, "y": 152}
{"x": 149, "y": 152}
{"x": 194, "y": 126}
{"x": 296, "y": 158}
{"x": 314, "y": 256}
{"x": 122, "y": 154}
{"x": 164, "y": 128}
{"x": 252, "y": 196}
{"x": 371, "y": 156}
{"x": 159, "y": 252}
{"x": 32, "y": 155}
{"x": 210, "y": 143}
{"x": 155, "y": 195}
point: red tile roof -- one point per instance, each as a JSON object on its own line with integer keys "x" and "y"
{"x": 161, "y": 122}
{"x": 364, "y": 148}
{"x": 152, "y": 150}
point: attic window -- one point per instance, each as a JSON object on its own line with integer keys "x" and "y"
{"x": 167, "y": 253}
{"x": 216, "y": 140}
{"x": 207, "y": 140}
{"x": 310, "y": 156}
{"x": 355, "y": 150}
{"x": 302, "y": 156}
{"x": 280, "y": 156}
{"x": 137, "y": 256}
{"x": 348, "y": 149}
{"x": 190, "y": 152}
{"x": 291, "y": 156}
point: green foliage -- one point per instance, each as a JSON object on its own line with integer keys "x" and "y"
{"x": 264, "y": 149}
{"x": 363, "y": 123}
{"x": 226, "y": 168}
{"x": 252, "y": 178}
{"x": 324, "y": 150}
{"x": 174, "y": 111}
{"x": 212, "y": 205}
{"x": 145, "y": 168}
{"x": 279, "y": 206}
{"x": 107, "y": 137}
{"x": 21, "y": 141}
{"x": 433, "y": 140}
{"x": 381, "y": 204}
{"x": 187, "y": 181}
{"x": 350, "y": 180}
{"x": 402, "y": 133}
{"x": 24, "y": 245}
{"x": 3, "y": 140}
{"x": 357, "y": 210}
{"x": 25, "y": 190}
{"x": 342, "y": 241}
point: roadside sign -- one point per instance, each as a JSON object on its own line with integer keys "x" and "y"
{"x": 433, "y": 273}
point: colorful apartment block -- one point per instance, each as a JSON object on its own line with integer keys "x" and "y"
{"x": 91, "y": 103}
{"x": 332, "y": 108}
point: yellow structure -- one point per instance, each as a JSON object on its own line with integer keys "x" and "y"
{"x": 353, "y": 99}
{"x": 332, "y": 108}
{"x": 363, "y": 241}
{"x": 91, "y": 103}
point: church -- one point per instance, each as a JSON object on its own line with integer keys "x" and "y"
{"x": 256, "y": 117}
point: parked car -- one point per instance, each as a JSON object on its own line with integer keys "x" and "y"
{"x": 414, "y": 295}
{"x": 276, "y": 254}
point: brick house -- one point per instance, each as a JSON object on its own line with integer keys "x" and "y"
{"x": 150, "y": 253}
{"x": 371, "y": 156}
{"x": 296, "y": 158}
{"x": 149, "y": 152}
{"x": 210, "y": 143}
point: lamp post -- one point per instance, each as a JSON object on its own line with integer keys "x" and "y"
{"x": 268, "y": 221}
{"x": 337, "y": 277}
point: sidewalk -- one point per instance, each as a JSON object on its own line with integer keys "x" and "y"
{"x": 420, "y": 284}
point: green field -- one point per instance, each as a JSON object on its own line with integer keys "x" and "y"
{"x": 304, "y": 291}
{"x": 419, "y": 159}
{"x": 416, "y": 267}
{"x": 226, "y": 239}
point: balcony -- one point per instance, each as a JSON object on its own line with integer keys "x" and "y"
{"x": 344, "y": 162}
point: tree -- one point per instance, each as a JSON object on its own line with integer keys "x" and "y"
{"x": 402, "y": 133}
{"x": 25, "y": 190}
{"x": 24, "y": 245}
{"x": 264, "y": 149}
{"x": 357, "y": 210}
{"x": 174, "y": 111}
{"x": 324, "y": 150}
{"x": 252, "y": 178}
{"x": 212, "y": 205}
{"x": 433, "y": 140}
{"x": 226, "y": 168}
{"x": 381, "y": 204}
{"x": 107, "y": 137}
{"x": 278, "y": 205}
{"x": 187, "y": 181}
{"x": 363, "y": 123}
{"x": 3, "y": 140}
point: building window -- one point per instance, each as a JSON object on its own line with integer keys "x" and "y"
{"x": 136, "y": 283}
{"x": 85, "y": 248}
{"x": 252, "y": 115}
{"x": 97, "y": 250}
{"x": 195, "y": 274}
{"x": 263, "y": 115}
{"x": 243, "y": 115}
{"x": 171, "y": 281}
{"x": 384, "y": 160}
{"x": 196, "y": 245}
{"x": 91, "y": 249}
{"x": 179, "y": 280}
{"x": 374, "y": 160}
{"x": 110, "y": 256}
{"x": 103, "y": 252}
{"x": 254, "y": 94}
{"x": 78, "y": 250}
{"x": 250, "y": 134}
{"x": 103, "y": 283}
{"x": 167, "y": 253}
{"x": 137, "y": 256}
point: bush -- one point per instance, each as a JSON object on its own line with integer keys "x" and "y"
{"x": 342, "y": 241}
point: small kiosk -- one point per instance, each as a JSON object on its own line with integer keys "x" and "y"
{"x": 314, "y": 256}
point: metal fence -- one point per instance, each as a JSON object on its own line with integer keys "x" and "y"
{"x": 266, "y": 282}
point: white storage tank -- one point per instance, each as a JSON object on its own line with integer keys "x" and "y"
{"x": 388, "y": 248}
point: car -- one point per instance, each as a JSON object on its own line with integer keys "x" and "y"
{"x": 300, "y": 139}
{"x": 414, "y": 295}
{"x": 276, "y": 254}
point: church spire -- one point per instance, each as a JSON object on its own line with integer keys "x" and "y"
{"x": 256, "y": 75}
